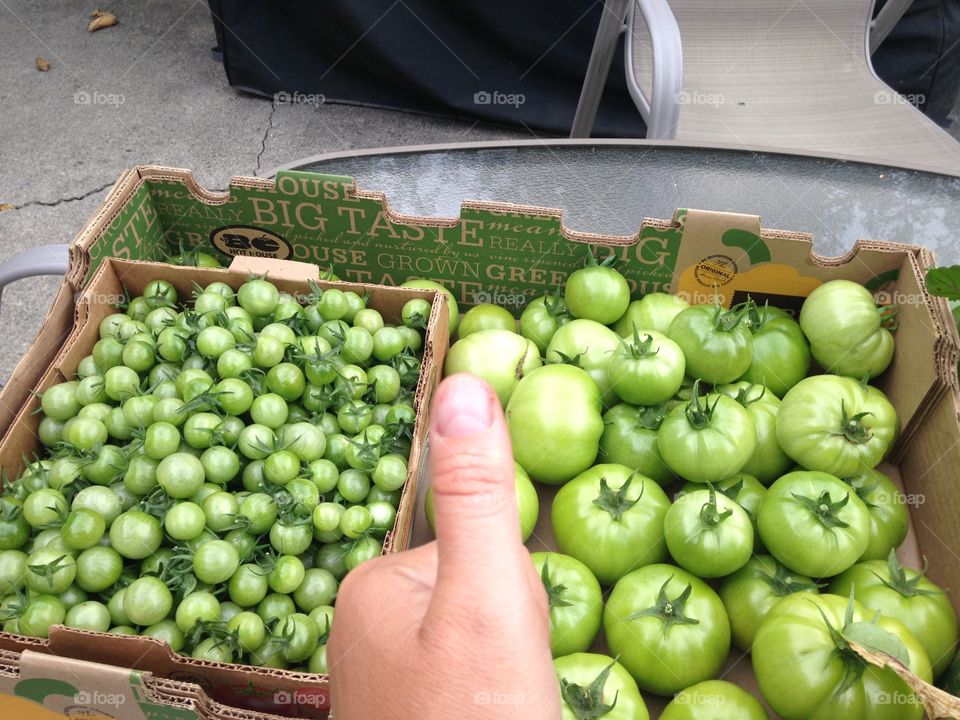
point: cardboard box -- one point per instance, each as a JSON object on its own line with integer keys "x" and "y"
{"x": 279, "y": 692}
{"x": 510, "y": 254}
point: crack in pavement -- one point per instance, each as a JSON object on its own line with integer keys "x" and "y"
{"x": 60, "y": 201}
{"x": 266, "y": 134}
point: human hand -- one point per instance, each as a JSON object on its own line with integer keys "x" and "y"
{"x": 457, "y": 628}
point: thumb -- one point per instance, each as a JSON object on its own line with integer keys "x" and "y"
{"x": 474, "y": 491}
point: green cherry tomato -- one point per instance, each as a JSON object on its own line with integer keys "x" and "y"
{"x": 781, "y": 353}
{"x": 248, "y": 585}
{"x": 554, "y": 422}
{"x": 319, "y": 587}
{"x": 575, "y": 603}
{"x": 60, "y": 401}
{"x": 135, "y": 535}
{"x": 180, "y": 475}
{"x": 258, "y": 297}
{"x": 595, "y": 686}
{"x": 89, "y": 615}
{"x": 147, "y": 601}
{"x": 836, "y": 425}
{"x": 83, "y": 529}
{"x": 40, "y": 614}
{"x": 708, "y": 534}
{"x": 198, "y": 606}
{"x": 215, "y": 561}
{"x": 717, "y": 343}
{"x": 287, "y": 574}
{"x": 847, "y": 330}
{"x": 611, "y": 519}
{"x": 654, "y": 311}
{"x": 906, "y": 595}
{"x": 250, "y": 630}
{"x": 168, "y": 632}
{"x": 648, "y": 369}
{"x": 50, "y": 571}
{"x": 750, "y": 592}
{"x": 501, "y": 357}
{"x": 889, "y": 518}
{"x": 814, "y": 523}
{"x": 596, "y": 292}
{"x": 416, "y": 313}
{"x": 714, "y": 700}
{"x": 98, "y": 568}
{"x": 708, "y": 439}
{"x": 805, "y": 669}
{"x": 668, "y": 627}
{"x": 453, "y": 311}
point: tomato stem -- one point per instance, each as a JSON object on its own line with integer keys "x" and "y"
{"x": 616, "y": 502}
{"x": 852, "y": 427}
{"x": 670, "y": 611}
{"x": 824, "y": 508}
{"x": 907, "y": 587}
{"x": 554, "y": 592}
{"x": 710, "y": 514}
{"x": 587, "y": 702}
{"x": 699, "y": 415}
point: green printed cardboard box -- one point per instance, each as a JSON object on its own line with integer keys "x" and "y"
{"x": 510, "y": 254}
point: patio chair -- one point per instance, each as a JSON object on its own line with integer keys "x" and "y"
{"x": 772, "y": 74}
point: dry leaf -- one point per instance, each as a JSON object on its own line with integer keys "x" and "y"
{"x": 7, "y": 206}
{"x": 939, "y": 704}
{"x": 102, "y": 19}
{"x": 42, "y": 65}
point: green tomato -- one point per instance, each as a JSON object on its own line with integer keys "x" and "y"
{"x": 453, "y": 310}
{"x": 630, "y": 438}
{"x": 40, "y": 614}
{"x": 89, "y": 615}
{"x": 258, "y": 297}
{"x": 554, "y": 422}
{"x": 654, "y": 311}
{"x": 250, "y": 630}
{"x": 708, "y": 439}
{"x": 588, "y": 345}
{"x": 746, "y": 491}
{"x": 847, "y": 330}
{"x": 806, "y": 670}
{"x": 147, "y": 600}
{"x": 596, "y": 292}
{"x": 60, "y": 401}
{"x": 611, "y": 519}
{"x": 768, "y": 461}
{"x": 781, "y": 353}
{"x": 750, "y": 592}
{"x": 135, "y": 535}
{"x": 889, "y": 518}
{"x": 906, "y": 595}
{"x": 575, "y": 602}
{"x": 714, "y": 700}
{"x": 648, "y": 369}
{"x": 541, "y": 319}
{"x": 501, "y": 357}
{"x": 836, "y": 425}
{"x": 708, "y": 534}
{"x": 486, "y": 316}
{"x": 595, "y": 686}
{"x": 814, "y": 523}
{"x": 717, "y": 343}
{"x": 668, "y": 627}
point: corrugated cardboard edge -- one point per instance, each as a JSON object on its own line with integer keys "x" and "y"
{"x": 110, "y": 680}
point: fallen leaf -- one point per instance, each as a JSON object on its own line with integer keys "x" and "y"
{"x": 7, "y": 206}
{"x": 102, "y": 19}
{"x": 42, "y": 65}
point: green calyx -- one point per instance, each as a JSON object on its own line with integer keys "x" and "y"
{"x": 900, "y": 582}
{"x": 782, "y": 583}
{"x": 699, "y": 414}
{"x": 825, "y": 508}
{"x": 554, "y": 591}
{"x": 640, "y": 347}
{"x": 650, "y": 417}
{"x": 710, "y": 514}
{"x": 852, "y": 427}
{"x": 587, "y": 702}
{"x": 670, "y": 611}
{"x": 616, "y": 501}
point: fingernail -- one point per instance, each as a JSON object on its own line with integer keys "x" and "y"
{"x": 462, "y": 407}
